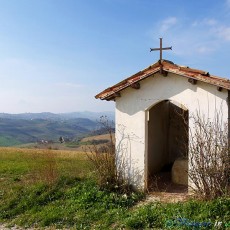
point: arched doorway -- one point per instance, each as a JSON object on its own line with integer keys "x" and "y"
{"x": 167, "y": 145}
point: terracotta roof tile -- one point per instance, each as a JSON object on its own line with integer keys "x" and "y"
{"x": 111, "y": 92}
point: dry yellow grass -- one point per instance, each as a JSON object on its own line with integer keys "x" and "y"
{"x": 98, "y": 137}
{"x": 59, "y": 153}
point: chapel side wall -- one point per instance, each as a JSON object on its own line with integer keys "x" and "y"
{"x": 133, "y": 105}
{"x": 130, "y": 142}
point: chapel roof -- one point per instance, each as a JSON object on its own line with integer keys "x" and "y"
{"x": 164, "y": 67}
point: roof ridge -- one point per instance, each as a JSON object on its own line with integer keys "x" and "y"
{"x": 168, "y": 66}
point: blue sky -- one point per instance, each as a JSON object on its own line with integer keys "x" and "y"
{"x": 56, "y": 55}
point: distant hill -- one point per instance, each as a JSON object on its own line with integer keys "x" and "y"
{"x": 25, "y": 128}
{"x": 90, "y": 115}
{"x": 60, "y": 116}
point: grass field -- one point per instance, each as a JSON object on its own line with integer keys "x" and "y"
{"x": 57, "y": 189}
{"x": 66, "y": 146}
{"x": 8, "y": 141}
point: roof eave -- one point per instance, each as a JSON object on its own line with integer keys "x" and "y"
{"x": 109, "y": 92}
{"x": 208, "y": 80}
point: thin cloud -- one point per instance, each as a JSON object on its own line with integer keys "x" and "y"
{"x": 205, "y": 22}
{"x": 228, "y": 3}
{"x": 224, "y": 32}
{"x": 167, "y": 24}
{"x": 192, "y": 38}
{"x": 204, "y": 50}
{"x": 216, "y": 28}
{"x": 210, "y": 21}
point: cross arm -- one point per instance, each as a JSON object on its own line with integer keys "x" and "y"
{"x": 165, "y": 48}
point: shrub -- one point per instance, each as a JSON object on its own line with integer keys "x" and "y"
{"x": 108, "y": 170}
{"x": 45, "y": 169}
{"x": 209, "y": 156}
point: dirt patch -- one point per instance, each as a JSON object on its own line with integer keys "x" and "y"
{"x": 98, "y": 137}
{"x": 162, "y": 189}
{"x": 162, "y": 182}
{"x": 164, "y": 197}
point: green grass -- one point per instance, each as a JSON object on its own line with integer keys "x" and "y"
{"x": 40, "y": 188}
{"x": 22, "y": 168}
{"x": 8, "y": 141}
{"x": 67, "y": 203}
{"x": 53, "y": 188}
{"x": 72, "y": 144}
{"x": 188, "y": 215}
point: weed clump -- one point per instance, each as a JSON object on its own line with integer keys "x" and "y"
{"x": 209, "y": 169}
{"x": 109, "y": 171}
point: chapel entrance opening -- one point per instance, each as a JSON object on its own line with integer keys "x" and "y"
{"x": 167, "y": 159}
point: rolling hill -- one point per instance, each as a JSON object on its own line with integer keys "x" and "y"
{"x": 60, "y": 116}
{"x": 25, "y": 128}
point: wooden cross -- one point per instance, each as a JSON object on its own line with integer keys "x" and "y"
{"x": 161, "y": 48}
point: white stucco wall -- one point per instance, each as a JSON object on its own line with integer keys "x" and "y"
{"x": 132, "y": 114}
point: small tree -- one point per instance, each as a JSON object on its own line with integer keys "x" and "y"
{"x": 209, "y": 156}
{"x": 61, "y": 139}
{"x": 109, "y": 171}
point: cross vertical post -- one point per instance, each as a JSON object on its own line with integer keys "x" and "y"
{"x": 161, "y": 49}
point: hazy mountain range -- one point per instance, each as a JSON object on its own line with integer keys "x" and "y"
{"x": 59, "y": 116}
{"x": 16, "y": 129}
